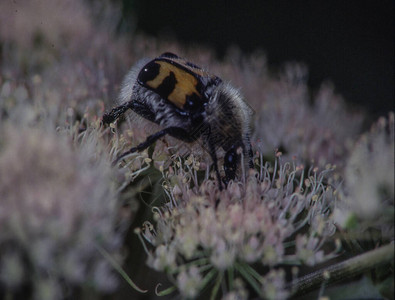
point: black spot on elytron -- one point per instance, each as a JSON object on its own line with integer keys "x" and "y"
{"x": 168, "y": 55}
{"x": 149, "y": 72}
{"x": 167, "y": 86}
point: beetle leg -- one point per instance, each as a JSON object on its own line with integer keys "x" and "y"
{"x": 139, "y": 108}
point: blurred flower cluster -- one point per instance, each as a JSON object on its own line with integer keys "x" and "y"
{"x": 237, "y": 239}
{"x": 316, "y": 133}
{"x": 367, "y": 198}
{"x": 58, "y": 203}
{"x": 68, "y": 48}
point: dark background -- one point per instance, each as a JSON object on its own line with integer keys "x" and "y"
{"x": 349, "y": 43}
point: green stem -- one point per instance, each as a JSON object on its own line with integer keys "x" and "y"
{"x": 216, "y": 286}
{"x": 197, "y": 262}
{"x": 254, "y": 273}
{"x": 166, "y": 291}
{"x": 118, "y": 268}
{"x": 208, "y": 277}
{"x": 230, "y": 278}
{"x": 344, "y": 270}
{"x": 247, "y": 276}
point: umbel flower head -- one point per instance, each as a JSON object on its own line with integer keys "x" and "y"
{"x": 238, "y": 238}
{"x": 57, "y": 208}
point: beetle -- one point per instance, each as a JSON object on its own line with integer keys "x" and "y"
{"x": 189, "y": 104}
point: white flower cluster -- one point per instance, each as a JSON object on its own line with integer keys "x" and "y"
{"x": 209, "y": 237}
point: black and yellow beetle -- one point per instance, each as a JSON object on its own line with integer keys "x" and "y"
{"x": 189, "y": 104}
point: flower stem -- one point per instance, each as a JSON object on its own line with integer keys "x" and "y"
{"x": 343, "y": 270}
{"x": 118, "y": 268}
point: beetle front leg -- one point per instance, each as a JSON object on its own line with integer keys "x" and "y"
{"x": 138, "y": 107}
{"x": 177, "y": 132}
{"x": 115, "y": 113}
